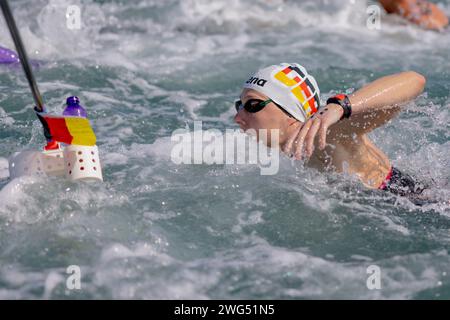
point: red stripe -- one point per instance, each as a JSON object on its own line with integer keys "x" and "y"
{"x": 287, "y": 70}
{"x": 59, "y": 130}
{"x": 386, "y": 180}
{"x": 312, "y": 104}
{"x": 306, "y": 89}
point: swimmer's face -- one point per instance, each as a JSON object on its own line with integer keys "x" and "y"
{"x": 270, "y": 117}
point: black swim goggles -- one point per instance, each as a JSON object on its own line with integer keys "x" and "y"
{"x": 256, "y": 105}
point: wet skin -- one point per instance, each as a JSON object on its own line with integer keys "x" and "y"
{"x": 420, "y": 12}
{"x": 328, "y": 143}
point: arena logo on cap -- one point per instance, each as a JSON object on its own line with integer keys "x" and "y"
{"x": 303, "y": 89}
{"x": 257, "y": 81}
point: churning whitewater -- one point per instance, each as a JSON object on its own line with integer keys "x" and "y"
{"x": 156, "y": 229}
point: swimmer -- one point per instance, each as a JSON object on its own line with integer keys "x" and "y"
{"x": 334, "y": 136}
{"x": 420, "y": 12}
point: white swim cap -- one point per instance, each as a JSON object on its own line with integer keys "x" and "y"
{"x": 290, "y": 86}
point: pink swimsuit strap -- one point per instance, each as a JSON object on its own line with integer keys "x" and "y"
{"x": 386, "y": 180}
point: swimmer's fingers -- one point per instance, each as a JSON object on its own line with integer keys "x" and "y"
{"x": 323, "y": 135}
{"x": 300, "y": 139}
{"x": 287, "y": 148}
{"x": 311, "y": 136}
{"x": 329, "y": 116}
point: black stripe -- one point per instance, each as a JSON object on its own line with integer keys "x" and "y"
{"x": 309, "y": 84}
{"x": 298, "y": 71}
{"x": 47, "y": 133}
{"x": 316, "y": 97}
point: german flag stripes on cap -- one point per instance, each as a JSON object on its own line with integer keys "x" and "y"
{"x": 290, "y": 86}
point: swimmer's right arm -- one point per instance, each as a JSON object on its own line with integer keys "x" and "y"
{"x": 372, "y": 106}
{"x": 380, "y": 101}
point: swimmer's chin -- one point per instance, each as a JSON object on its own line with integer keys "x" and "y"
{"x": 252, "y": 133}
{"x": 248, "y": 131}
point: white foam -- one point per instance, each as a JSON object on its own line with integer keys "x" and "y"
{"x": 173, "y": 60}
{"x": 52, "y": 280}
{"x": 13, "y": 196}
{"x": 5, "y": 120}
{"x": 318, "y": 277}
{"x": 4, "y": 168}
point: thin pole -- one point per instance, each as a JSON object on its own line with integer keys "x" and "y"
{"x": 22, "y": 55}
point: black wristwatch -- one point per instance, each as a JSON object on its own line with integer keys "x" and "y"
{"x": 344, "y": 102}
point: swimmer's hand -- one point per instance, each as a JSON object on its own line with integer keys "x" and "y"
{"x": 305, "y": 135}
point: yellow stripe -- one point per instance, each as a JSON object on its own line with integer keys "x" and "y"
{"x": 297, "y": 91}
{"x": 283, "y": 78}
{"x": 81, "y": 131}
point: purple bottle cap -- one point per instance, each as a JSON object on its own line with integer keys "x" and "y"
{"x": 74, "y": 108}
{"x": 72, "y": 101}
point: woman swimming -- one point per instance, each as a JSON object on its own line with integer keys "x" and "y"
{"x": 286, "y": 98}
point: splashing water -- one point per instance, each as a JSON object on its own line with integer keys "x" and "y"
{"x": 154, "y": 229}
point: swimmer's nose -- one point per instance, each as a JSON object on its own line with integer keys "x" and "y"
{"x": 238, "y": 119}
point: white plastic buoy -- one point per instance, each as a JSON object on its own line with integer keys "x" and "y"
{"x": 73, "y": 161}
{"x": 82, "y": 163}
{"x": 28, "y": 162}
